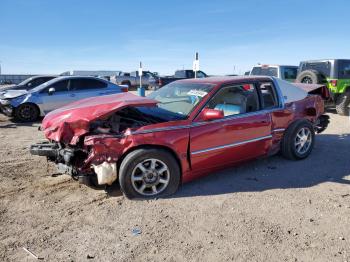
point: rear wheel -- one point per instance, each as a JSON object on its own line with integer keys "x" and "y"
{"x": 343, "y": 104}
{"x": 27, "y": 113}
{"x": 149, "y": 173}
{"x": 298, "y": 140}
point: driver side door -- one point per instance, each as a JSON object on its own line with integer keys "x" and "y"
{"x": 244, "y": 132}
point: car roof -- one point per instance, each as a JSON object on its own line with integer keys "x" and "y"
{"x": 219, "y": 80}
{"x": 80, "y": 77}
{"x": 39, "y": 76}
{"x": 323, "y": 60}
{"x": 264, "y": 65}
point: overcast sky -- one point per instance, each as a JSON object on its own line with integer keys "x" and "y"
{"x": 38, "y": 36}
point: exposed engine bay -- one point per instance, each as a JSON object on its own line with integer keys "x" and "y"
{"x": 130, "y": 117}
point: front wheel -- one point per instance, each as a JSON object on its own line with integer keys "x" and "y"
{"x": 298, "y": 140}
{"x": 149, "y": 173}
{"x": 27, "y": 113}
{"x": 343, "y": 104}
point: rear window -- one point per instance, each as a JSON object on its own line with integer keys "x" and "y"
{"x": 323, "y": 67}
{"x": 264, "y": 71}
{"x": 344, "y": 69}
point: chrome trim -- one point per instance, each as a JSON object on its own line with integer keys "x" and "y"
{"x": 160, "y": 129}
{"x": 279, "y": 130}
{"x": 231, "y": 145}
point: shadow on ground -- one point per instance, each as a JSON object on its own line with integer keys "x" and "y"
{"x": 329, "y": 162}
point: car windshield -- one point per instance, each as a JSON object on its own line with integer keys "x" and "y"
{"x": 264, "y": 71}
{"x": 181, "y": 97}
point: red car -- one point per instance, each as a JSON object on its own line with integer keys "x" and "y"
{"x": 183, "y": 131}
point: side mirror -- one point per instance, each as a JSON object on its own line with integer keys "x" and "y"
{"x": 51, "y": 91}
{"x": 212, "y": 114}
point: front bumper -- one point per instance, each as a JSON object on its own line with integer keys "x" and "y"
{"x": 7, "y": 110}
{"x": 55, "y": 153}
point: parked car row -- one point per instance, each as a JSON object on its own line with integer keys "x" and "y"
{"x": 99, "y": 133}
{"x": 26, "y": 103}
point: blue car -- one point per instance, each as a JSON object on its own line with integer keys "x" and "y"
{"x": 27, "y": 106}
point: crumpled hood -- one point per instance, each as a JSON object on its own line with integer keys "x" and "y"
{"x": 68, "y": 123}
{"x": 9, "y": 94}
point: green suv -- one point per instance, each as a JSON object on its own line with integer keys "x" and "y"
{"x": 335, "y": 73}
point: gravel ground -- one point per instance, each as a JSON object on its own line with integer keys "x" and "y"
{"x": 266, "y": 210}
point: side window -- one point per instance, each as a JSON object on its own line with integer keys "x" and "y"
{"x": 60, "y": 86}
{"x": 289, "y": 73}
{"x": 344, "y": 69}
{"x": 84, "y": 84}
{"x": 200, "y": 74}
{"x": 268, "y": 95}
{"x": 236, "y": 99}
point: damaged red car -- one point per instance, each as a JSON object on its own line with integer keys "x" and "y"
{"x": 183, "y": 131}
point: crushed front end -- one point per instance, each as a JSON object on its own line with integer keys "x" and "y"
{"x": 89, "y": 146}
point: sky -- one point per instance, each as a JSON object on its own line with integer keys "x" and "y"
{"x": 53, "y": 36}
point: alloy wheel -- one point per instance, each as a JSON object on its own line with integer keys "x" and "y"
{"x": 303, "y": 140}
{"x": 150, "y": 177}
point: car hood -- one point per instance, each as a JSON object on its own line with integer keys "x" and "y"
{"x": 9, "y": 94}
{"x": 68, "y": 123}
{"x": 2, "y": 89}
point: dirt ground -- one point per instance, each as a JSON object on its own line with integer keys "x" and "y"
{"x": 267, "y": 210}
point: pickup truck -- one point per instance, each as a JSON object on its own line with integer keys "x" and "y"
{"x": 285, "y": 72}
{"x": 155, "y": 83}
{"x": 132, "y": 79}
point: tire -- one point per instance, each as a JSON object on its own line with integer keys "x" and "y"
{"x": 342, "y": 104}
{"x": 137, "y": 184}
{"x": 310, "y": 77}
{"x": 27, "y": 113}
{"x": 289, "y": 148}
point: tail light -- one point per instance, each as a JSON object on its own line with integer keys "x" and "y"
{"x": 334, "y": 82}
{"x": 160, "y": 82}
{"x": 124, "y": 89}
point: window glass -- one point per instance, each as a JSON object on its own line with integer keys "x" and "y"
{"x": 200, "y": 74}
{"x": 60, "y": 86}
{"x": 180, "y": 98}
{"x": 344, "y": 69}
{"x": 289, "y": 73}
{"x": 83, "y": 84}
{"x": 237, "y": 99}
{"x": 264, "y": 71}
{"x": 323, "y": 67}
{"x": 268, "y": 95}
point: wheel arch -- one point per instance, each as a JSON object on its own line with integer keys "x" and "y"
{"x": 152, "y": 146}
{"x": 30, "y": 103}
